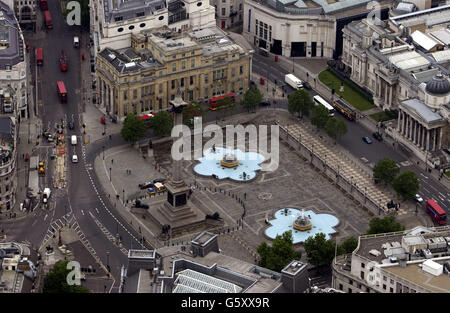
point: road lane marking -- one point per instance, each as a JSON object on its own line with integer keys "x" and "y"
{"x": 45, "y": 217}
{"x": 424, "y": 175}
{"x": 97, "y": 211}
{"x": 82, "y": 212}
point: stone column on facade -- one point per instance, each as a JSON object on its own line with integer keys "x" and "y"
{"x": 421, "y": 136}
{"x": 427, "y": 147}
{"x": 391, "y": 90}
{"x": 398, "y": 121}
{"x": 440, "y": 138}
{"x": 413, "y": 135}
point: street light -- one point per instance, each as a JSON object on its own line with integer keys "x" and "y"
{"x": 107, "y": 262}
{"x": 109, "y": 174}
{"x": 123, "y": 196}
{"x": 103, "y": 152}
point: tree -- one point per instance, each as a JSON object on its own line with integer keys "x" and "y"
{"x": 133, "y": 128}
{"x": 335, "y": 128}
{"x": 252, "y": 98}
{"x": 385, "y": 170}
{"x": 320, "y": 116}
{"x": 162, "y": 123}
{"x": 56, "y": 280}
{"x": 387, "y": 224}
{"x": 300, "y": 102}
{"x": 349, "y": 245}
{"x": 320, "y": 251}
{"x": 192, "y": 110}
{"x": 279, "y": 254}
{"x": 406, "y": 185}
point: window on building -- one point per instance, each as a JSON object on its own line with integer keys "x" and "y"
{"x": 174, "y": 67}
{"x": 350, "y": 290}
{"x": 240, "y": 17}
{"x": 182, "y": 82}
{"x": 160, "y": 104}
{"x": 384, "y": 286}
{"x": 223, "y": 11}
{"x": 265, "y": 33}
{"x": 173, "y": 84}
{"x": 134, "y": 93}
{"x": 241, "y": 70}
{"x": 192, "y": 63}
{"x": 206, "y": 92}
{"x": 160, "y": 88}
{"x": 362, "y": 274}
{"x": 125, "y": 109}
{"x": 384, "y": 278}
{"x": 341, "y": 287}
{"x": 363, "y": 265}
{"x": 125, "y": 95}
{"x": 256, "y": 27}
{"x": 206, "y": 78}
{"x": 183, "y": 65}
{"x": 233, "y": 72}
{"x": 191, "y": 80}
{"x": 350, "y": 281}
{"x": 391, "y": 281}
{"x": 232, "y": 86}
{"x": 241, "y": 84}
{"x": 391, "y": 290}
{"x": 240, "y": 6}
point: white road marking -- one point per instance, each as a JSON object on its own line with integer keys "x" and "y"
{"x": 97, "y": 211}
{"x": 45, "y": 217}
{"x": 424, "y": 175}
{"x": 82, "y": 212}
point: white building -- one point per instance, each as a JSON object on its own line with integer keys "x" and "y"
{"x": 405, "y": 64}
{"x": 229, "y": 13}
{"x": 13, "y": 64}
{"x": 413, "y": 261}
{"x": 113, "y": 21}
{"x": 297, "y": 28}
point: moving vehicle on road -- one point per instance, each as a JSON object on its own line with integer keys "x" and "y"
{"x": 418, "y": 198}
{"x": 73, "y": 140}
{"x": 367, "y": 140}
{"x": 46, "y": 195}
{"x": 63, "y": 62}
{"x": 345, "y": 109}
{"x": 436, "y": 212}
{"x": 293, "y": 81}
{"x": 39, "y": 57}
{"x": 43, "y": 5}
{"x": 74, "y": 158}
{"x": 377, "y": 136}
{"x": 318, "y": 100}
{"x": 62, "y": 92}
{"x": 71, "y": 125}
{"x": 48, "y": 20}
{"x": 147, "y": 119}
{"x": 213, "y": 102}
{"x": 76, "y": 42}
{"x": 306, "y": 85}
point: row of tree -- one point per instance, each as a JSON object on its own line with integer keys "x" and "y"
{"x": 300, "y": 103}
{"x": 319, "y": 250}
{"x": 405, "y": 184}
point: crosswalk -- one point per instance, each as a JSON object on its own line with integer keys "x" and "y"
{"x": 108, "y": 234}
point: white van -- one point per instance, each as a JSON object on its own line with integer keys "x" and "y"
{"x": 74, "y": 140}
{"x": 76, "y": 42}
{"x": 293, "y": 81}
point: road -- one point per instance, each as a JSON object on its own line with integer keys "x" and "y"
{"x": 430, "y": 188}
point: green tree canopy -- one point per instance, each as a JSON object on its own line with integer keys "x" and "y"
{"x": 162, "y": 123}
{"x": 56, "y": 280}
{"x": 252, "y": 98}
{"x": 320, "y": 251}
{"x": 300, "y": 102}
{"x": 133, "y": 128}
{"x": 406, "y": 185}
{"x": 349, "y": 245}
{"x": 386, "y": 224}
{"x": 277, "y": 256}
{"x": 385, "y": 170}
{"x": 320, "y": 116}
{"x": 336, "y": 128}
{"x": 192, "y": 110}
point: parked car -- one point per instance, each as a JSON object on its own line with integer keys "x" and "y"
{"x": 151, "y": 191}
{"x": 160, "y": 180}
{"x": 377, "y": 136}
{"x": 418, "y": 198}
{"x": 145, "y": 185}
{"x": 264, "y": 103}
{"x": 306, "y": 85}
{"x": 367, "y": 140}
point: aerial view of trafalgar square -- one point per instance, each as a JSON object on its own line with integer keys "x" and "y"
{"x": 226, "y": 146}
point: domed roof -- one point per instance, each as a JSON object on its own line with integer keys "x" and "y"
{"x": 438, "y": 85}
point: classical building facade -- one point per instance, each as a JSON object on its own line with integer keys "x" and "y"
{"x": 13, "y": 64}
{"x": 113, "y": 21}
{"x": 396, "y": 263}
{"x": 143, "y": 78}
{"x": 229, "y": 13}
{"x": 301, "y": 28}
{"x": 404, "y": 63}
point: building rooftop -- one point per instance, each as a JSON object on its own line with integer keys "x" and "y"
{"x": 414, "y": 273}
{"x": 423, "y": 40}
{"x": 294, "y": 267}
{"x": 189, "y": 281}
{"x": 11, "y": 50}
{"x": 408, "y": 60}
{"x": 443, "y": 35}
{"x": 141, "y": 254}
{"x": 203, "y": 238}
{"x": 423, "y": 110}
{"x": 430, "y": 17}
{"x": 121, "y": 10}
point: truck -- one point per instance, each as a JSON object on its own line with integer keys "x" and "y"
{"x": 63, "y": 61}
{"x": 48, "y": 20}
{"x": 293, "y": 81}
{"x": 46, "y": 195}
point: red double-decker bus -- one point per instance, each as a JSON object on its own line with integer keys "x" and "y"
{"x": 39, "y": 57}
{"x": 213, "y": 102}
{"x": 62, "y": 92}
{"x": 48, "y": 20}
{"x": 146, "y": 118}
{"x": 63, "y": 61}
{"x": 436, "y": 212}
{"x": 44, "y": 5}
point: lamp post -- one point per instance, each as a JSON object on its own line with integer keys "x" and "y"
{"x": 351, "y": 184}
{"x": 107, "y": 262}
{"x": 123, "y": 196}
{"x": 365, "y": 194}
{"x": 293, "y": 69}
{"x": 103, "y": 152}
{"x": 109, "y": 174}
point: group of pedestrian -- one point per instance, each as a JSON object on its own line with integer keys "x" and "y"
{"x": 128, "y": 172}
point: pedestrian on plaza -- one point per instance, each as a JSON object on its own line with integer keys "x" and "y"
{"x": 109, "y": 137}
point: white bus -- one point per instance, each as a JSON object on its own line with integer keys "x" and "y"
{"x": 319, "y": 100}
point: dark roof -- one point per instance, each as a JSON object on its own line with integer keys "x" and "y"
{"x": 438, "y": 85}
{"x": 129, "y": 9}
{"x": 120, "y": 62}
{"x": 9, "y": 30}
